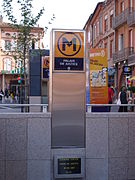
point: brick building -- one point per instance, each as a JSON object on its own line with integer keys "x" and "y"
{"x": 99, "y": 32}
{"x": 9, "y": 69}
{"x": 124, "y": 26}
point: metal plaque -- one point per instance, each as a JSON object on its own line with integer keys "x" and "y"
{"x": 69, "y": 167}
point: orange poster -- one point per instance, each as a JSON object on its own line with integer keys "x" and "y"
{"x": 45, "y": 67}
{"x": 98, "y": 76}
{"x": 45, "y": 62}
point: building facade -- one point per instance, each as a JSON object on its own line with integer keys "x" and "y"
{"x": 9, "y": 68}
{"x": 124, "y": 26}
{"x": 100, "y": 34}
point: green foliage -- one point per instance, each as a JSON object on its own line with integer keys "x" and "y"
{"x": 23, "y": 38}
{"x": 26, "y": 12}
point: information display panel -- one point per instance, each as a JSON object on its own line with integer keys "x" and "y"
{"x": 45, "y": 67}
{"x": 69, "y": 167}
{"x": 69, "y": 51}
{"x": 98, "y": 76}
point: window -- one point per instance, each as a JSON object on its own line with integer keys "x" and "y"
{"x": 111, "y": 20}
{"x": 3, "y": 44}
{"x": 7, "y": 45}
{"x": 98, "y": 28}
{"x": 13, "y": 45}
{"x": 121, "y": 42}
{"x": 106, "y": 26}
{"x": 131, "y": 5}
{"x": 131, "y": 38}
{"x": 19, "y": 46}
{"x": 122, "y": 6}
{"x": 95, "y": 31}
{"x": 7, "y": 64}
{"x": 106, "y": 23}
{"x": 105, "y": 45}
{"x": 7, "y": 34}
{"x": 111, "y": 48}
{"x": 19, "y": 64}
{"x": 100, "y": 25}
{"x": 89, "y": 36}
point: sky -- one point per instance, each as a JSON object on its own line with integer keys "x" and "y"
{"x": 69, "y": 14}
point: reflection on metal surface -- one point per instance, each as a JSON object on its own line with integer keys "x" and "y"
{"x": 67, "y": 88}
{"x": 68, "y": 109}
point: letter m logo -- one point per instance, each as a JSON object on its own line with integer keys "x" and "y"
{"x": 68, "y": 43}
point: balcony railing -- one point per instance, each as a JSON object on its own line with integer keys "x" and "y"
{"x": 122, "y": 55}
{"x": 121, "y": 18}
{"x": 131, "y": 19}
{"x": 131, "y": 59}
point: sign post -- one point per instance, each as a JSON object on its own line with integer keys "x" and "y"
{"x": 98, "y": 76}
{"x": 67, "y": 88}
{"x": 127, "y": 70}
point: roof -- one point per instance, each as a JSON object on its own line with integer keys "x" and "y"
{"x": 89, "y": 19}
{"x": 5, "y": 25}
{"x": 92, "y": 15}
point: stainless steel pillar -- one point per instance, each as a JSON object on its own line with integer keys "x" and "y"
{"x": 67, "y": 88}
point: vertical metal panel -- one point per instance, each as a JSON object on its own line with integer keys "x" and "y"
{"x": 35, "y": 73}
{"x": 35, "y": 88}
{"x": 67, "y": 96}
{"x": 68, "y": 109}
{"x": 35, "y": 70}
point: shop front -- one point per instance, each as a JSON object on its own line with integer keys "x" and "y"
{"x": 9, "y": 80}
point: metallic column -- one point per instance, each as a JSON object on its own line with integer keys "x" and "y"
{"x": 67, "y": 88}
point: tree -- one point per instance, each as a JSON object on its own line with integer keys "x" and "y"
{"x": 23, "y": 38}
